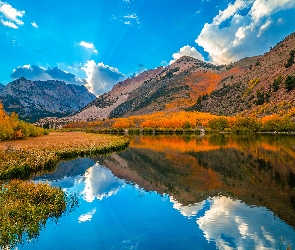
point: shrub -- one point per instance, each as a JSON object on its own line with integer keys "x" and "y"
{"x": 290, "y": 83}
{"x": 246, "y": 124}
{"x": 260, "y": 97}
{"x": 218, "y": 124}
{"x": 276, "y": 83}
{"x": 187, "y": 125}
{"x": 290, "y": 59}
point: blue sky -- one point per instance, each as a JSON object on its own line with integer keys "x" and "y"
{"x": 100, "y": 42}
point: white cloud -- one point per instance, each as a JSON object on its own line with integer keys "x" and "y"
{"x": 128, "y": 19}
{"x": 100, "y": 183}
{"x": 187, "y": 51}
{"x": 27, "y": 66}
{"x": 262, "y": 8}
{"x": 11, "y": 15}
{"x": 187, "y": 211}
{"x": 264, "y": 27}
{"x": 232, "y": 36}
{"x": 131, "y": 19}
{"x": 230, "y": 11}
{"x": 8, "y": 24}
{"x": 34, "y": 25}
{"x": 87, "y": 216}
{"x": 88, "y": 46}
{"x": 132, "y": 16}
{"x": 100, "y": 77}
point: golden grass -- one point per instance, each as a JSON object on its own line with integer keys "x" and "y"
{"x": 19, "y": 159}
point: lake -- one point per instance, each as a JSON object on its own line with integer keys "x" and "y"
{"x": 179, "y": 192}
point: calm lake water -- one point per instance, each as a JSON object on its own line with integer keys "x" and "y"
{"x": 177, "y": 192}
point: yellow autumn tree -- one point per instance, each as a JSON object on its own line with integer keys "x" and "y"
{"x": 12, "y": 128}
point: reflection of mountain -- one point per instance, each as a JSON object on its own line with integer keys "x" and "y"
{"x": 260, "y": 171}
{"x": 70, "y": 168}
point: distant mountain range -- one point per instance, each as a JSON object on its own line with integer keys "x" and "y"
{"x": 252, "y": 85}
{"x": 33, "y": 100}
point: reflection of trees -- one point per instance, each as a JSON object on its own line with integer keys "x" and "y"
{"x": 257, "y": 169}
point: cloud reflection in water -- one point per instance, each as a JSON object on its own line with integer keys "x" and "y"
{"x": 232, "y": 224}
{"x": 87, "y": 216}
{"x": 100, "y": 183}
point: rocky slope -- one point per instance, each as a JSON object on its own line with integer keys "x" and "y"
{"x": 106, "y": 103}
{"x": 172, "y": 89}
{"x": 259, "y": 88}
{"x": 33, "y": 100}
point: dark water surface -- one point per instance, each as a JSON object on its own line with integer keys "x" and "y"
{"x": 177, "y": 192}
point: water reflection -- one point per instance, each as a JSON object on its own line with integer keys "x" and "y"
{"x": 237, "y": 191}
{"x": 258, "y": 170}
{"x": 91, "y": 181}
{"x": 100, "y": 183}
{"x": 232, "y": 224}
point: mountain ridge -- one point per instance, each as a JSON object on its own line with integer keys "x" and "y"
{"x": 33, "y": 100}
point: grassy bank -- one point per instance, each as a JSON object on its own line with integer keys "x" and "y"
{"x": 21, "y": 159}
{"x": 26, "y": 206}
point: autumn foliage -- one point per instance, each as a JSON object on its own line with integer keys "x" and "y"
{"x": 175, "y": 121}
{"x": 12, "y": 128}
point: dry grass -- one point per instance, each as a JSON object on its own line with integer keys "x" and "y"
{"x": 59, "y": 141}
{"x": 19, "y": 159}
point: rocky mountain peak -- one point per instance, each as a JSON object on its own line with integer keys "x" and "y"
{"x": 32, "y": 100}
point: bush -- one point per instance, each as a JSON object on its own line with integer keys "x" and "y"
{"x": 187, "y": 125}
{"x": 135, "y": 131}
{"x": 276, "y": 83}
{"x": 279, "y": 124}
{"x": 218, "y": 124}
{"x": 290, "y": 83}
{"x": 260, "y": 98}
{"x": 290, "y": 59}
{"x": 247, "y": 124}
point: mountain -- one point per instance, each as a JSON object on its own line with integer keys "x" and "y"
{"x": 1, "y": 87}
{"x": 265, "y": 86}
{"x": 170, "y": 88}
{"x": 33, "y": 100}
{"x": 254, "y": 85}
{"x": 102, "y": 106}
